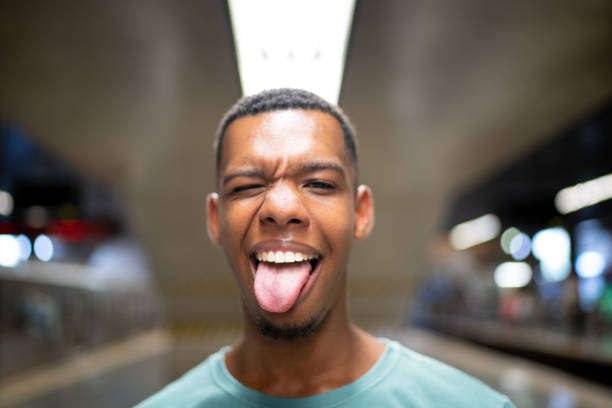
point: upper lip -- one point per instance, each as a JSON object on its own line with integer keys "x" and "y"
{"x": 283, "y": 246}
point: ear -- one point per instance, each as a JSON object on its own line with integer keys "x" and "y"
{"x": 364, "y": 212}
{"x": 212, "y": 217}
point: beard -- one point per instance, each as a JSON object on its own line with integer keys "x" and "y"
{"x": 290, "y": 332}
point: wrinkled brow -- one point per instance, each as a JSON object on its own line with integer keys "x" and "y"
{"x": 308, "y": 167}
{"x": 253, "y": 172}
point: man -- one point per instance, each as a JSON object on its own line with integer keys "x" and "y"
{"x": 287, "y": 209}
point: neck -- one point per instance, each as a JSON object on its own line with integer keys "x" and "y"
{"x": 335, "y": 354}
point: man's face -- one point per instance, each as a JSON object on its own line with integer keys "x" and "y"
{"x": 286, "y": 213}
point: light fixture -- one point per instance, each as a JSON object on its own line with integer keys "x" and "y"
{"x": 474, "y": 232}
{"x": 291, "y": 43}
{"x": 585, "y": 194}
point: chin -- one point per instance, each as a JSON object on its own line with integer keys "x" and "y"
{"x": 290, "y": 331}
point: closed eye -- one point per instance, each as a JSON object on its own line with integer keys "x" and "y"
{"x": 245, "y": 187}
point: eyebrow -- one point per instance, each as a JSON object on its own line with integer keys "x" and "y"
{"x": 254, "y": 172}
{"x": 311, "y": 167}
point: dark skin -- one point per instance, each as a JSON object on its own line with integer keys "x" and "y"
{"x": 286, "y": 182}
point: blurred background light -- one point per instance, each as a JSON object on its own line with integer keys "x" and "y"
{"x": 552, "y": 247}
{"x": 520, "y": 246}
{"x": 593, "y": 247}
{"x": 25, "y": 247}
{"x": 277, "y": 47}
{"x": 590, "y": 264}
{"x": 561, "y": 397}
{"x": 43, "y": 248}
{"x": 36, "y": 216}
{"x": 590, "y": 291}
{"x": 119, "y": 261}
{"x": 506, "y": 238}
{"x": 474, "y": 232}
{"x": 585, "y": 194}
{"x": 555, "y": 272}
{"x": 512, "y": 275}
{"x": 9, "y": 250}
{"x": 6, "y": 203}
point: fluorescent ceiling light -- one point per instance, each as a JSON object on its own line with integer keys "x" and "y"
{"x": 291, "y": 43}
{"x": 582, "y": 195}
{"x": 474, "y": 232}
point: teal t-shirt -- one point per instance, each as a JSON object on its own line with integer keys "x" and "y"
{"x": 400, "y": 378}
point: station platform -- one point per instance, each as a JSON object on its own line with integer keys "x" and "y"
{"x": 122, "y": 373}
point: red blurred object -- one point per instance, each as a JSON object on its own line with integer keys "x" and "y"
{"x": 68, "y": 230}
{"x": 7, "y": 227}
{"x": 78, "y": 230}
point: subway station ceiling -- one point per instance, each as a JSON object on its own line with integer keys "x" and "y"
{"x": 442, "y": 93}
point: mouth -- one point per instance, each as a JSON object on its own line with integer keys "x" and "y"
{"x": 284, "y": 257}
{"x": 283, "y": 277}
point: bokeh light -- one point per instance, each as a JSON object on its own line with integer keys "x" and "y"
{"x": 585, "y": 194}
{"x": 512, "y": 274}
{"x": 6, "y": 203}
{"x": 474, "y": 232}
{"x": 43, "y": 248}
{"x": 506, "y": 238}
{"x": 9, "y": 250}
{"x": 589, "y": 291}
{"x": 552, "y": 247}
{"x": 590, "y": 264}
{"x": 25, "y": 247}
{"x": 520, "y": 246}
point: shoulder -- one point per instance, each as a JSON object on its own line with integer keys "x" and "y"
{"x": 194, "y": 388}
{"x": 434, "y": 383}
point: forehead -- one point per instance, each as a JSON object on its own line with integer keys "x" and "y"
{"x": 285, "y": 136}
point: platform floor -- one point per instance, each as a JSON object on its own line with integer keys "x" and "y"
{"x": 124, "y": 372}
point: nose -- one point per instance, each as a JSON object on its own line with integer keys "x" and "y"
{"x": 283, "y": 207}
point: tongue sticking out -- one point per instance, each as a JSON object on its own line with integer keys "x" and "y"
{"x": 277, "y": 285}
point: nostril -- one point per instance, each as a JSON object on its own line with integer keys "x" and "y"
{"x": 294, "y": 221}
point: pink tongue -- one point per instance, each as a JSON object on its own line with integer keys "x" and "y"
{"x": 277, "y": 285}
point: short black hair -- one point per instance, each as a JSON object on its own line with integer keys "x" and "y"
{"x": 285, "y": 99}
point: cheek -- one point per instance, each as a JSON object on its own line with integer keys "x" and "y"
{"x": 337, "y": 224}
{"x": 233, "y": 222}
